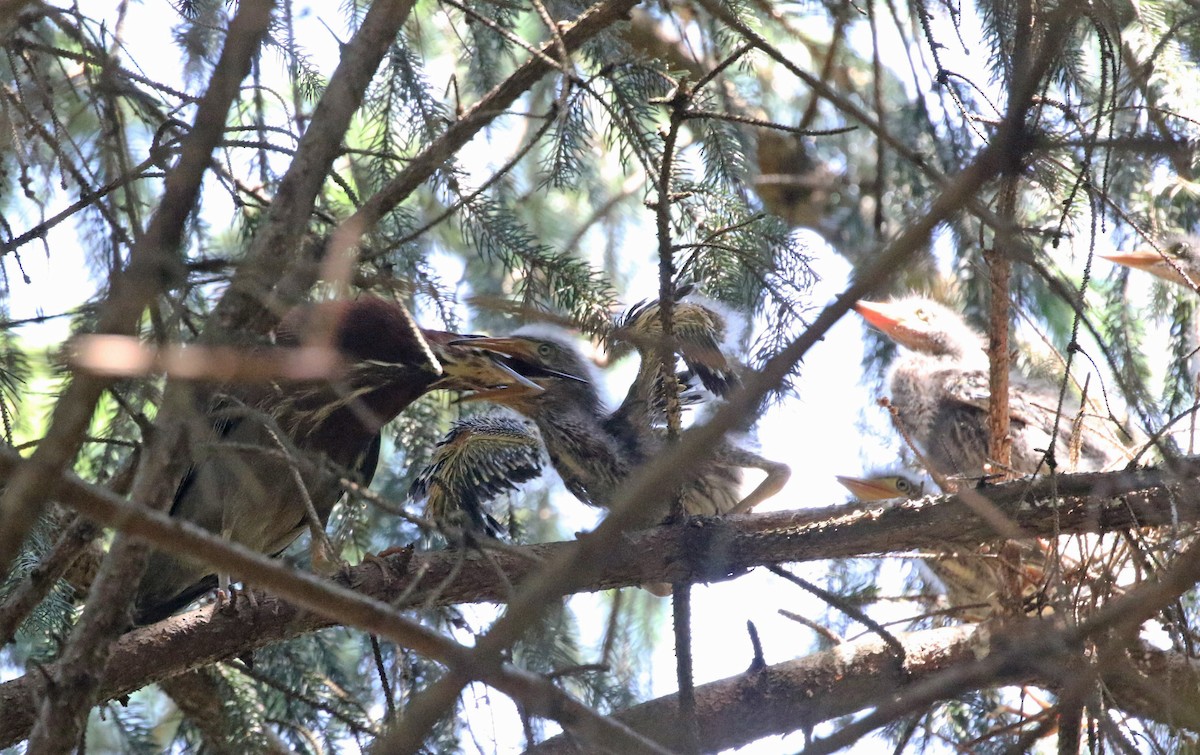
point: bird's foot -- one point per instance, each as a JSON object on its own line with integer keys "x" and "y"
{"x": 228, "y": 597}
{"x": 658, "y": 589}
{"x": 389, "y": 568}
{"x": 324, "y": 561}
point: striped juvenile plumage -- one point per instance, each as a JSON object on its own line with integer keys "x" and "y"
{"x": 482, "y": 456}
{"x": 594, "y": 451}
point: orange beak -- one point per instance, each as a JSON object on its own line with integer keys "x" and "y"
{"x": 868, "y": 490}
{"x": 879, "y": 315}
{"x": 1149, "y": 260}
{"x": 1142, "y": 259}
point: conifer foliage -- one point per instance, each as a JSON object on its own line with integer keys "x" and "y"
{"x": 174, "y": 177}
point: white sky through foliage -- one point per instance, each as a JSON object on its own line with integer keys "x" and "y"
{"x": 830, "y": 427}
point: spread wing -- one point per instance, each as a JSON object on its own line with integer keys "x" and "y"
{"x": 479, "y": 459}
{"x": 701, "y": 330}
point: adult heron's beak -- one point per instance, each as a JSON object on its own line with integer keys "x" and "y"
{"x": 523, "y": 354}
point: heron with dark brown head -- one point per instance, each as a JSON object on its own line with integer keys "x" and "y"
{"x": 278, "y": 450}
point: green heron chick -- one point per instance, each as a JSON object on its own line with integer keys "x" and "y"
{"x": 939, "y": 388}
{"x": 1177, "y": 260}
{"x": 704, "y": 330}
{"x": 595, "y": 451}
{"x": 279, "y": 446}
{"x": 482, "y": 456}
{"x": 882, "y": 487}
{"x": 973, "y": 582}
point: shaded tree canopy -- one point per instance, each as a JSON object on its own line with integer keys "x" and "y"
{"x": 176, "y": 177}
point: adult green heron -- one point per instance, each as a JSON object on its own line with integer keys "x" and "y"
{"x": 278, "y": 448}
{"x": 939, "y": 388}
{"x": 1178, "y": 257}
{"x": 594, "y": 451}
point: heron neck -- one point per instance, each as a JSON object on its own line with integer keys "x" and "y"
{"x": 589, "y": 459}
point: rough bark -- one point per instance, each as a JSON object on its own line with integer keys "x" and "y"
{"x": 711, "y": 549}
{"x": 799, "y": 694}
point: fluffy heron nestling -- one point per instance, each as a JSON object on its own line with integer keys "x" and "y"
{"x": 976, "y": 583}
{"x": 939, "y": 387}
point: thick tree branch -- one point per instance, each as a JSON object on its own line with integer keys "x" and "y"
{"x": 153, "y": 265}
{"x": 853, "y": 676}
{"x": 708, "y": 549}
{"x": 335, "y": 603}
{"x": 656, "y": 481}
{"x": 474, "y": 119}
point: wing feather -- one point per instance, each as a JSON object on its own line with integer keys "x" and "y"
{"x": 480, "y": 458}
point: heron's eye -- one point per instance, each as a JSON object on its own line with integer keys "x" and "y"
{"x": 545, "y": 350}
{"x": 903, "y": 485}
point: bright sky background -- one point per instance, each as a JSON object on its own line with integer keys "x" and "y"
{"x": 821, "y": 433}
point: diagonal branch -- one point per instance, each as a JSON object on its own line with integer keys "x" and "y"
{"x": 657, "y": 480}
{"x": 153, "y": 265}
{"x": 153, "y": 262}
{"x": 539, "y": 696}
{"x": 495, "y": 103}
{"x": 710, "y": 549}
{"x": 277, "y": 244}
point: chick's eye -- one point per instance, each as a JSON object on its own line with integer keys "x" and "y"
{"x": 903, "y": 485}
{"x": 545, "y": 350}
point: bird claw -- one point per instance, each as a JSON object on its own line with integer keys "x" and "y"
{"x": 227, "y": 598}
{"x": 326, "y": 563}
{"x": 388, "y": 569}
{"x": 380, "y": 560}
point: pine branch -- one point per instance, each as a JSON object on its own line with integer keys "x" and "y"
{"x": 711, "y": 549}
{"x": 152, "y": 264}
{"x": 275, "y": 245}
{"x": 38, "y": 583}
{"x": 855, "y": 676}
{"x": 69, "y": 698}
{"x": 431, "y": 159}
